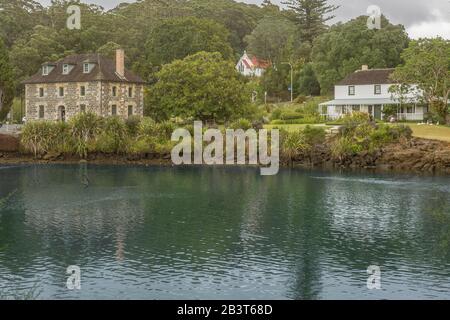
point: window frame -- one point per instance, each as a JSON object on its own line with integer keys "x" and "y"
{"x": 375, "y": 87}
{"x": 130, "y": 92}
{"x": 41, "y": 92}
{"x": 65, "y": 68}
{"x": 114, "y": 91}
{"x": 61, "y": 89}
{"x": 130, "y": 107}
{"x": 82, "y": 91}
{"x": 350, "y": 93}
{"x": 41, "y": 111}
{"x": 88, "y": 68}
{"x": 114, "y": 110}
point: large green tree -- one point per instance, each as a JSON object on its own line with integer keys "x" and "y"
{"x": 202, "y": 86}
{"x": 272, "y": 39}
{"x": 345, "y": 47}
{"x": 178, "y": 38}
{"x": 7, "y": 87}
{"x": 310, "y": 17}
{"x": 427, "y": 64}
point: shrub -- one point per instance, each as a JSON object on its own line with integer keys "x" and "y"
{"x": 36, "y": 136}
{"x": 290, "y": 115}
{"x": 132, "y": 124}
{"x": 113, "y": 137}
{"x": 314, "y": 135}
{"x": 84, "y": 129}
{"x": 345, "y": 147}
{"x": 292, "y": 144}
{"x": 243, "y": 124}
{"x": 276, "y": 114}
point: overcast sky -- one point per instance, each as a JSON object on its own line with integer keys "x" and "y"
{"x": 426, "y": 18}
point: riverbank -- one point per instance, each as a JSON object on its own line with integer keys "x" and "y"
{"x": 415, "y": 155}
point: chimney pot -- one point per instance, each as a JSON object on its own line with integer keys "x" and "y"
{"x": 120, "y": 62}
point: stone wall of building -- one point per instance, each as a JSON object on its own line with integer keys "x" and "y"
{"x": 57, "y": 107}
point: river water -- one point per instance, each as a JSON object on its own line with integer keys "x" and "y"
{"x": 221, "y": 233}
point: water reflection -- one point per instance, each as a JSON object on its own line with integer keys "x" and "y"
{"x": 140, "y": 232}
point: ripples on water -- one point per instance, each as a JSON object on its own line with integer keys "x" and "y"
{"x": 222, "y": 233}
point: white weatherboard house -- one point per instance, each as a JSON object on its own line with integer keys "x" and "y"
{"x": 367, "y": 90}
{"x": 251, "y": 66}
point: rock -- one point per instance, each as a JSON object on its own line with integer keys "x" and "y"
{"x": 82, "y": 161}
{"x": 51, "y": 156}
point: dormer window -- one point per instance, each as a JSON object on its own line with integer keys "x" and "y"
{"x": 86, "y": 68}
{"x": 45, "y": 70}
{"x": 66, "y": 69}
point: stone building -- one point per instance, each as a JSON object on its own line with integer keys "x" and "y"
{"x": 81, "y": 83}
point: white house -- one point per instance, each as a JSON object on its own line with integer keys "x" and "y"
{"x": 367, "y": 90}
{"x": 251, "y": 66}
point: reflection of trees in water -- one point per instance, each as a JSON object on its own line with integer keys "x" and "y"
{"x": 67, "y": 222}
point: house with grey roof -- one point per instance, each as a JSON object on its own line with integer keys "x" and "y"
{"x": 81, "y": 83}
{"x": 368, "y": 90}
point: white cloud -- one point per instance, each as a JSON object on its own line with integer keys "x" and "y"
{"x": 430, "y": 30}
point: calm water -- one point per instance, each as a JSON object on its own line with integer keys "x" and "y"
{"x": 228, "y": 233}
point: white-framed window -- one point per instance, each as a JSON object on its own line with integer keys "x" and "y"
{"x": 82, "y": 91}
{"x": 351, "y": 90}
{"x": 45, "y": 70}
{"x": 65, "y": 69}
{"x": 86, "y": 68}
{"x": 61, "y": 91}
{"x": 377, "y": 89}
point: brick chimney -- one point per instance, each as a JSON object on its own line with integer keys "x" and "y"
{"x": 365, "y": 67}
{"x": 120, "y": 62}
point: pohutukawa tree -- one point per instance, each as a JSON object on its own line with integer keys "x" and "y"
{"x": 427, "y": 64}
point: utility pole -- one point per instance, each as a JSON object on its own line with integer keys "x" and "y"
{"x": 292, "y": 80}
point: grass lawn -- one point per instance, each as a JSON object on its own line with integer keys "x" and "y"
{"x": 431, "y": 132}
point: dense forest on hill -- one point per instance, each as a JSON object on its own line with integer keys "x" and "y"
{"x": 155, "y": 33}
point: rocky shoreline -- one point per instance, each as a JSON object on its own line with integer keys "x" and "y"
{"x": 415, "y": 156}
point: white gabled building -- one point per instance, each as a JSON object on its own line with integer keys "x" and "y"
{"x": 367, "y": 90}
{"x": 251, "y": 66}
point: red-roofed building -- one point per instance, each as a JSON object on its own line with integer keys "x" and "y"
{"x": 252, "y": 66}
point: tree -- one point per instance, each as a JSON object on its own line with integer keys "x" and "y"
{"x": 427, "y": 64}
{"x": 178, "y": 38}
{"x": 7, "y": 87}
{"x": 202, "y": 86}
{"x": 307, "y": 81}
{"x": 270, "y": 39}
{"x": 345, "y": 47}
{"x": 310, "y": 17}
